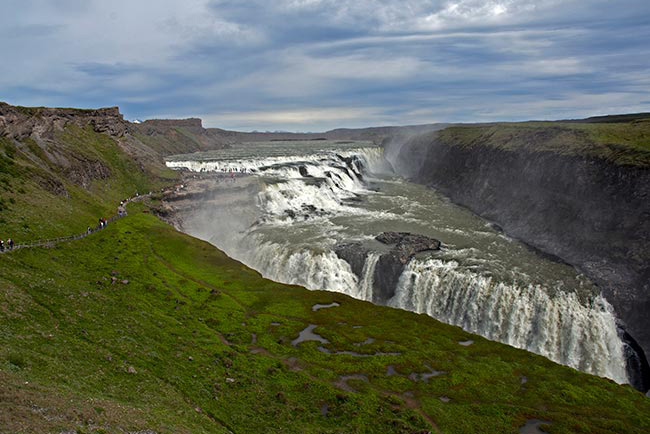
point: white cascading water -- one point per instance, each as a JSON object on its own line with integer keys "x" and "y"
{"x": 559, "y": 327}
{"x": 313, "y": 270}
{"x": 367, "y": 281}
{"x": 373, "y": 160}
{"x": 562, "y": 327}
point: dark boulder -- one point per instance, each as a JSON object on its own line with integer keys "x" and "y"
{"x": 387, "y": 272}
{"x": 391, "y": 264}
{"x": 354, "y": 254}
{"x": 637, "y": 368}
{"x": 303, "y": 172}
{"x": 407, "y": 245}
{"x": 389, "y": 268}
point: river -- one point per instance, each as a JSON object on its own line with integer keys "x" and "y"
{"x": 299, "y": 200}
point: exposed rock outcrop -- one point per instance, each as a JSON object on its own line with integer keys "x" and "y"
{"x": 38, "y": 131}
{"x": 42, "y": 122}
{"x": 406, "y": 245}
{"x": 46, "y": 137}
{"x": 402, "y": 246}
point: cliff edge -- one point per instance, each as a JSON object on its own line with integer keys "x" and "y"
{"x": 577, "y": 190}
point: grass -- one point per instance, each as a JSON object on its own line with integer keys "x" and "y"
{"x": 40, "y": 197}
{"x": 626, "y": 143}
{"x": 36, "y": 111}
{"x": 158, "y": 352}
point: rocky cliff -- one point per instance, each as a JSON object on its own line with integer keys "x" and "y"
{"x": 577, "y": 191}
{"x": 42, "y": 122}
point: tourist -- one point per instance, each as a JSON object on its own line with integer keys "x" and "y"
{"x": 11, "y": 243}
{"x": 2, "y": 246}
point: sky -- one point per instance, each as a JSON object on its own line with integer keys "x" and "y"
{"x": 313, "y": 65}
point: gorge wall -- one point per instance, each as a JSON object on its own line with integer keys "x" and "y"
{"x": 559, "y": 190}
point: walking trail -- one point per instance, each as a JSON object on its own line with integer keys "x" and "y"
{"x": 121, "y": 212}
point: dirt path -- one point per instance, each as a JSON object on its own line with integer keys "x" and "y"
{"x": 121, "y": 212}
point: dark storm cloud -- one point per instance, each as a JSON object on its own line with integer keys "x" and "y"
{"x": 317, "y": 64}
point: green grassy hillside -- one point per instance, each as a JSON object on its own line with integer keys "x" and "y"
{"x": 622, "y": 143}
{"x": 197, "y": 342}
{"x": 58, "y": 188}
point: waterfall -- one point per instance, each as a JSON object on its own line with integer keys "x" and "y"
{"x": 368, "y": 274}
{"x": 558, "y": 327}
{"x": 313, "y": 270}
{"x": 311, "y": 191}
{"x": 371, "y": 158}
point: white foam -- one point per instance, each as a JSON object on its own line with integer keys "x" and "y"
{"x": 558, "y": 327}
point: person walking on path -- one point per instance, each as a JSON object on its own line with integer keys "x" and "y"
{"x": 2, "y": 246}
{"x": 11, "y": 243}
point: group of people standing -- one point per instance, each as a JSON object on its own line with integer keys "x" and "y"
{"x": 8, "y": 246}
{"x": 231, "y": 173}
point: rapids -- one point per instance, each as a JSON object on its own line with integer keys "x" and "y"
{"x": 303, "y": 198}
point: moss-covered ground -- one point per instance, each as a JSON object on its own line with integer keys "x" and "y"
{"x": 140, "y": 327}
{"x": 626, "y": 143}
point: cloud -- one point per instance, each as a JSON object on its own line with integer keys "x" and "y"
{"x": 367, "y": 62}
{"x": 300, "y": 118}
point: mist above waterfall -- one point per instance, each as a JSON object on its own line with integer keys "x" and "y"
{"x": 300, "y": 199}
